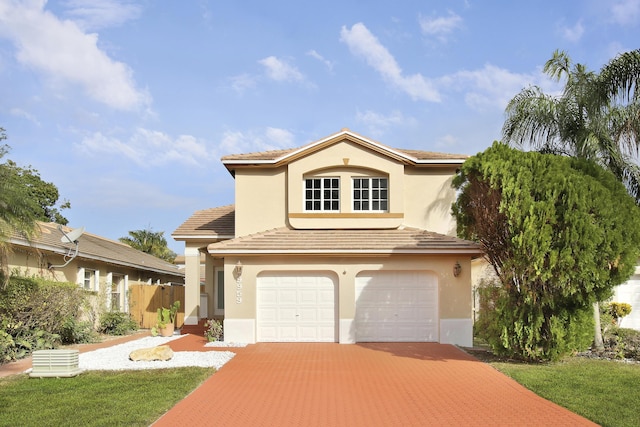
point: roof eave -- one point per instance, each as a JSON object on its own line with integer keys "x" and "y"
{"x": 183, "y": 237}
{"x": 434, "y": 251}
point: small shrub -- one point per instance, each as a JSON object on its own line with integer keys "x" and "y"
{"x": 117, "y": 323}
{"x": 617, "y": 310}
{"x": 622, "y": 343}
{"x": 77, "y": 332}
{"x": 213, "y": 330}
{"x": 18, "y": 341}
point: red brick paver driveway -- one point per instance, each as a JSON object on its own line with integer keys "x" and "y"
{"x": 401, "y": 384}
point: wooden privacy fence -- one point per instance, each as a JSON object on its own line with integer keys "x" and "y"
{"x": 145, "y": 300}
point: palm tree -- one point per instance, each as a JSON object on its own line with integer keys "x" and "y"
{"x": 597, "y": 116}
{"x": 151, "y": 242}
{"x": 17, "y": 211}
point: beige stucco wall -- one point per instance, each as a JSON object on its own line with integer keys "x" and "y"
{"x": 428, "y": 197}
{"x": 454, "y": 292}
{"x": 260, "y": 200}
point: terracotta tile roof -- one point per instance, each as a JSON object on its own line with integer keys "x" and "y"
{"x": 212, "y": 222}
{"x": 98, "y": 248}
{"x": 288, "y": 241}
{"x": 276, "y": 155}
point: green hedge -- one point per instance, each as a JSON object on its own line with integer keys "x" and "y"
{"x": 39, "y": 314}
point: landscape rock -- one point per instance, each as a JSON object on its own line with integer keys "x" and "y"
{"x": 161, "y": 352}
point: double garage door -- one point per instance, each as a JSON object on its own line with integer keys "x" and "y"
{"x": 390, "y": 306}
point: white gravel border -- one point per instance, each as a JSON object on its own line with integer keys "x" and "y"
{"x": 225, "y": 344}
{"x": 116, "y": 358}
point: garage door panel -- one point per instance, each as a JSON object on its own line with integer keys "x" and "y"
{"x": 396, "y": 306}
{"x": 304, "y": 307}
{"x": 308, "y": 297}
{"x": 285, "y": 314}
{"x": 268, "y": 314}
{"x": 287, "y": 296}
{"x": 268, "y": 297}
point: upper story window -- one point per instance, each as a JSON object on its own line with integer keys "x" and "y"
{"x": 322, "y": 194}
{"x": 371, "y": 194}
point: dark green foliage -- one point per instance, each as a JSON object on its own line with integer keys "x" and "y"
{"x": 117, "y": 323}
{"x": 560, "y": 233}
{"x": 75, "y": 331}
{"x": 37, "y": 314}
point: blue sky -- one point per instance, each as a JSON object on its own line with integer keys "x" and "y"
{"x": 127, "y": 106}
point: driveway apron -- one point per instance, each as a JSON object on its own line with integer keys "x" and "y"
{"x": 398, "y": 384}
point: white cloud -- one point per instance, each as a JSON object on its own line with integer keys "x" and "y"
{"x": 150, "y": 148}
{"x": 60, "y": 50}
{"x": 281, "y": 71}
{"x": 447, "y": 141}
{"x": 19, "y": 112}
{"x": 440, "y": 26}
{"x": 363, "y": 44}
{"x": 281, "y": 137}
{"x": 321, "y": 58}
{"x": 243, "y": 82}
{"x": 626, "y": 12}
{"x": 492, "y": 87}
{"x": 234, "y": 142}
{"x": 573, "y": 34}
{"x": 97, "y": 14}
{"x": 378, "y": 123}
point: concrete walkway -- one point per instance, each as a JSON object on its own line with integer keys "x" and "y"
{"x": 414, "y": 384}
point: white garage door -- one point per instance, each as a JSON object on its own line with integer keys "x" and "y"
{"x": 396, "y": 306}
{"x": 293, "y": 308}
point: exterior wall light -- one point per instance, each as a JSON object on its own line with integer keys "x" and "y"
{"x": 457, "y": 269}
{"x": 237, "y": 271}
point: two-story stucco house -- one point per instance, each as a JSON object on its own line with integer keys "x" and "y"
{"x": 342, "y": 240}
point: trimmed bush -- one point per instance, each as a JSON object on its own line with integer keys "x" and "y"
{"x": 117, "y": 323}
{"x": 518, "y": 331}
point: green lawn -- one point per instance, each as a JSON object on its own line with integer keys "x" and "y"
{"x": 607, "y": 393}
{"x": 96, "y": 398}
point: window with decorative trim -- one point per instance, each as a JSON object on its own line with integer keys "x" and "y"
{"x": 322, "y": 194}
{"x": 371, "y": 194}
{"x": 88, "y": 279}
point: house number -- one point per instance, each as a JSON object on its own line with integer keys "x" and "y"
{"x": 239, "y": 290}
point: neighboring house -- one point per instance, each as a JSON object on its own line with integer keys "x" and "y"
{"x": 342, "y": 240}
{"x": 105, "y": 267}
